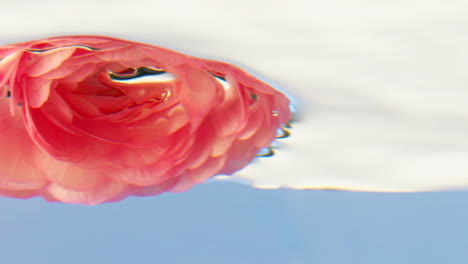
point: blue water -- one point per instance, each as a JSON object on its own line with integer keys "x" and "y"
{"x": 232, "y": 223}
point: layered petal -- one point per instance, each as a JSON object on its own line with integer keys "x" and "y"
{"x": 95, "y": 119}
{"x": 19, "y": 174}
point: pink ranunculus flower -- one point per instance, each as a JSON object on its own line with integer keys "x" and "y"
{"x": 88, "y": 119}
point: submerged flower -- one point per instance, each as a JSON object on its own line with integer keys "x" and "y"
{"x": 88, "y": 119}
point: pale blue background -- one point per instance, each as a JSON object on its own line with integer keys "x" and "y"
{"x": 231, "y": 223}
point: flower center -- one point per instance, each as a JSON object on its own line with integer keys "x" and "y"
{"x": 134, "y": 91}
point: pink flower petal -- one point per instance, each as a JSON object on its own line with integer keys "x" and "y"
{"x": 38, "y": 90}
{"x": 17, "y": 154}
{"x": 207, "y": 169}
{"x": 102, "y": 118}
{"x": 231, "y": 113}
{"x": 8, "y": 65}
{"x": 157, "y": 188}
{"x": 49, "y": 60}
{"x": 90, "y": 197}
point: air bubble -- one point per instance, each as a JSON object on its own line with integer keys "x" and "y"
{"x": 142, "y": 75}
{"x": 266, "y": 152}
{"x": 221, "y": 80}
{"x": 282, "y": 132}
{"x": 54, "y": 48}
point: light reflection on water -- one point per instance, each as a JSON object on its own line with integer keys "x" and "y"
{"x": 382, "y": 111}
